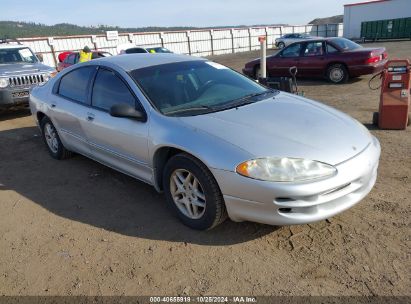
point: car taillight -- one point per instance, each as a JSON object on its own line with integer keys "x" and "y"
{"x": 373, "y": 59}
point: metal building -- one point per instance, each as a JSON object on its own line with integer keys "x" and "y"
{"x": 356, "y": 13}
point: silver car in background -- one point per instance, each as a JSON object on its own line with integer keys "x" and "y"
{"x": 287, "y": 39}
{"x": 216, "y": 142}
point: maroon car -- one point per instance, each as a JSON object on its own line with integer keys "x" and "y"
{"x": 73, "y": 58}
{"x": 336, "y": 59}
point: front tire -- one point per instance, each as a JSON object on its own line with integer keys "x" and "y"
{"x": 52, "y": 140}
{"x": 193, "y": 193}
{"x": 281, "y": 45}
{"x": 337, "y": 73}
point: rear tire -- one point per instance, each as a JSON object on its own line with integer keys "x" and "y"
{"x": 337, "y": 73}
{"x": 375, "y": 117}
{"x": 52, "y": 140}
{"x": 193, "y": 193}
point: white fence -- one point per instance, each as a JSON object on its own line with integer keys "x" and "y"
{"x": 196, "y": 42}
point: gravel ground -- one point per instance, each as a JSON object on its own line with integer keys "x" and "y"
{"x": 76, "y": 227}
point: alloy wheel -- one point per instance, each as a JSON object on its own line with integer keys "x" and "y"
{"x": 50, "y": 135}
{"x": 336, "y": 74}
{"x": 187, "y": 193}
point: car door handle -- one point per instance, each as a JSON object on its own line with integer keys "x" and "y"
{"x": 90, "y": 116}
{"x": 53, "y": 105}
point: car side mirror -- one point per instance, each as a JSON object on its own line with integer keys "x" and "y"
{"x": 127, "y": 111}
{"x": 40, "y": 57}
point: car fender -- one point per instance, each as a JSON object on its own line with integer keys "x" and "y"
{"x": 172, "y": 132}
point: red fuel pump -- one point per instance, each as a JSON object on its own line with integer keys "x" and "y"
{"x": 395, "y": 96}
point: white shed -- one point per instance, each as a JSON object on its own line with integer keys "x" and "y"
{"x": 356, "y": 13}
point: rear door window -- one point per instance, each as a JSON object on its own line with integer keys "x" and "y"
{"x": 109, "y": 90}
{"x": 74, "y": 85}
{"x": 313, "y": 49}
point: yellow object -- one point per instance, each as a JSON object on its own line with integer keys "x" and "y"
{"x": 152, "y": 51}
{"x": 84, "y": 56}
{"x": 242, "y": 169}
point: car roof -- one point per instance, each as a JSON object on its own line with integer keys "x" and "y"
{"x": 315, "y": 40}
{"x": 129, "y": 62}
{"x": 92, "y": 51}
{"x": 12, "y": 46}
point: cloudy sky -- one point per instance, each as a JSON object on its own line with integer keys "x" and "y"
{"x": 138, "y": 13}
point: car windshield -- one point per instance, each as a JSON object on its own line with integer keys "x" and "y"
{"x": 345, "y": 44}
{"x": 197, "y": 87}
{"x": 17, "y": 55}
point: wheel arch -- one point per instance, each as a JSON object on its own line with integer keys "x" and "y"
{"x": 160, "y": 159}
{"x": 40, "y": 115}
{"x": 281, "y": 42}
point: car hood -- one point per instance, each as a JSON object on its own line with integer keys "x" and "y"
{"x": 22, "y": 68}
{"x": 257, "y": 60}
{"x": 287, "y": 126}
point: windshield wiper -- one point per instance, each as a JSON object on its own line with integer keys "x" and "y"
{"x": 196, "y": 108}
{"x": 247, "y": 99}
{"x": 259, "y": 94}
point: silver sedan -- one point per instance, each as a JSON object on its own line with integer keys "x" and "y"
{"x": 287, "y": 39}
{"x": 215, "y": 142}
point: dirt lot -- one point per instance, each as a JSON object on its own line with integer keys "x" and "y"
{"x": 78, "y": 228}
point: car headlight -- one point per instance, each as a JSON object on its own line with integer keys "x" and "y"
{"x": 4, "y": 82}
{"x": 285, "y": 169}
{"x": 46, "y": 77}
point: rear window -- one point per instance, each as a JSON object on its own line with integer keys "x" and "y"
{"x": 74, "y": 85}
{"x": 345, "y": 44}
{"x": 71, "y": 59}
{"x": 135, "y": 51}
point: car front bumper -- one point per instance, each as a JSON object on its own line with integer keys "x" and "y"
{"x": 249, "y": 71}
{"x": 273, "y": 203}
{"x": 14, "y": 96}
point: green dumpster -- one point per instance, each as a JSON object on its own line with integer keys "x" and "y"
{"x": 386, "y": 29}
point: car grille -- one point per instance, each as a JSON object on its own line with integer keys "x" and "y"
{"x": 26, "y": 80}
